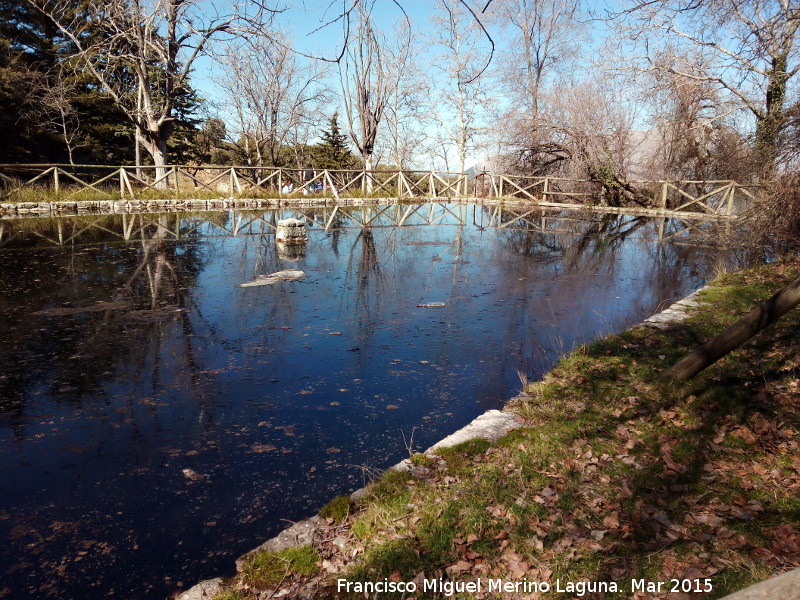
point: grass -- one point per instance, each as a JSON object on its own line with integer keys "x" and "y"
{"x": 74, "y": 193}
{"x": 103, "y": 194}
{"x": 617, "y": 475}
{"x": 230, "y": 595}
{"x": 337, "y": 509}
{"x": 267, "y": 569}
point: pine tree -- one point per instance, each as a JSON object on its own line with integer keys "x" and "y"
{"x": 333, "y": 152}
{"x": 35, "y": 67}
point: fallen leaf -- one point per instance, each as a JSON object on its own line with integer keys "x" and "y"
{"x": 461, "y": 566}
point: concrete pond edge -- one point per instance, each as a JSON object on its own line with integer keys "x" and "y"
{"x": 490, "y": 426}
{"x": 72, "y": 208}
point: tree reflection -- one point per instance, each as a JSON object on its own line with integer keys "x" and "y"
{"x": 60, "y": 337}
{"x": 364, "y": 275}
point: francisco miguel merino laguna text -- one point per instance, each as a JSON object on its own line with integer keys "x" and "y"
{"x": 449, "y": 588}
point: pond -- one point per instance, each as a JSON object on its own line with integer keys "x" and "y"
{"x": 157, "y": 420}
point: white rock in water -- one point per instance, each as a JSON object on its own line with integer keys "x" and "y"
{"x": 291, "y": 222}
{"x": 288, "y": 275}
{"x": 291, "y": 230}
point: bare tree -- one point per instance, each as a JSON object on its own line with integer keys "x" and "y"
{"x": 749, "y": 50}
{"x": 58, "y": 110}
{"x": 459, "y": 87}
{"x": 790, "y": 138}
{"x": 142, "y": 53}
{"x": 586, "y": 133}
{"x": 698, "y": 137}
{"x": 405, "y": 106}
{"x": 544, "y": 37}
{"x": 365, "y": 86}
{"x": 272, "y": 92}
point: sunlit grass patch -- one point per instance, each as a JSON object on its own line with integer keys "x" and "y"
{"x": 231, "y": 595}
{"x": 385, "y": 558}
{"x": 271, "y": 568}
{"x": 337, "y": 509}
{"x": 460, "y": 455}
{"x": 422, "y": 460}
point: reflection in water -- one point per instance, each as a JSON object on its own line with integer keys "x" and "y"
{"x": 290, "y": 252}
{"x": 156, "y": 420}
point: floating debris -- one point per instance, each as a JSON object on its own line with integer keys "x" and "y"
{"x": 261, "y": 448}
{"x": 431, "y": 305}
{"x": 69, "y": 310}
{"x": 192, "y": 475}
{"x": 288, "y": 275}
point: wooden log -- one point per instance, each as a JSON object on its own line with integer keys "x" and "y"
{"x": 735, "y": 335}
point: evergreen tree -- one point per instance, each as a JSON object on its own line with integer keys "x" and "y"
{"x": 182, "y": 134}
{"x": 31, "y": 37}
{"x": 35, "y": 69}
{"x": 210, "y": 144}
{"x": 333, "y": 152}
{"x": 18, "y": 106}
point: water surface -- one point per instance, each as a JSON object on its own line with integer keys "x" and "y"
{"x": 156, "y": 420}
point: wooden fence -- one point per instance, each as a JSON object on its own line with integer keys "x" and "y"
{"x": 130, "y": 182}
{"x": 712, "y": 198}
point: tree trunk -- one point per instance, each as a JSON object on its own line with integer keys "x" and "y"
{"x": 159, "y": 154}
{"x": 155, "y": 143}
{"x": 735, "y": 335}
{"x": 368, "y": 184}
{"x": 770, "y": 121}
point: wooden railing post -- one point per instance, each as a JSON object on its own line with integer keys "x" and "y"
{"x": 731, "y": 193}
{"x": 545, "y": 188}
{"x": 664, "y": 191}
{"x": 56, "y": 186}
{"x": 332, "y": 184}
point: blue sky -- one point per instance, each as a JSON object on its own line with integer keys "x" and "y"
{"x": 312, "y": 28}
{"x": 305, "y": 23}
